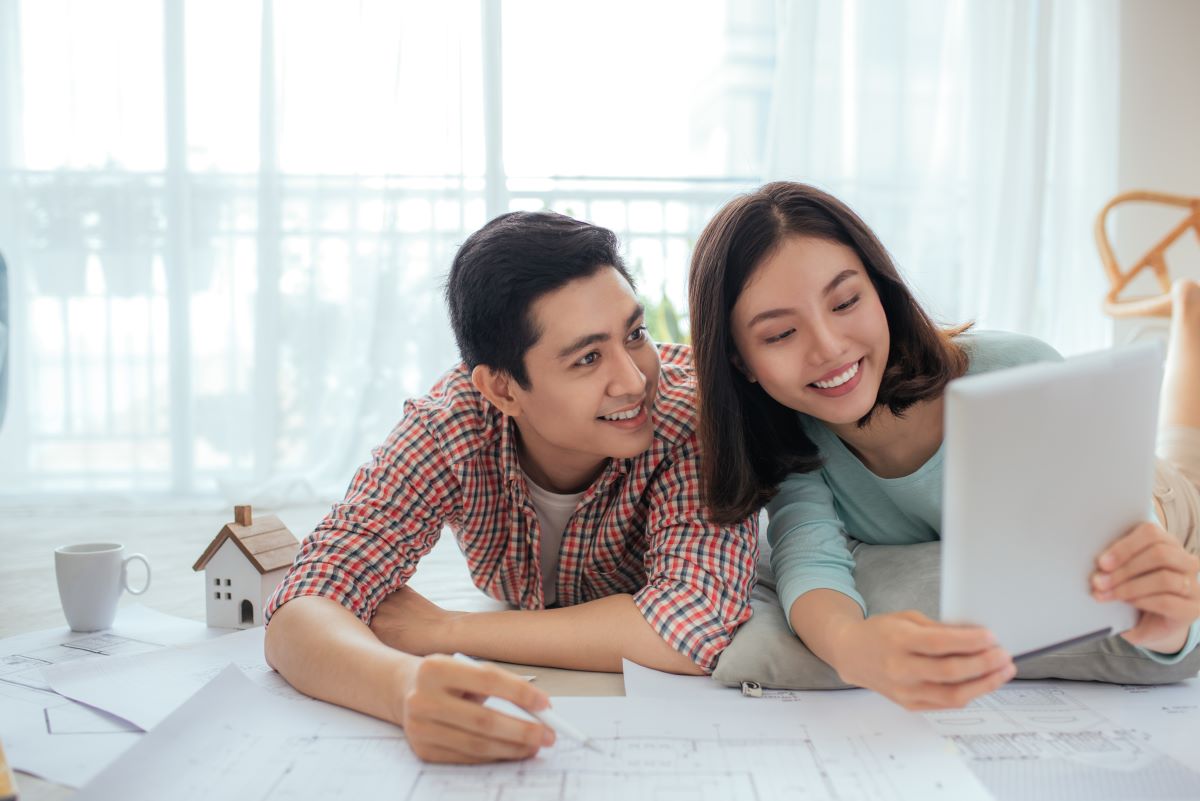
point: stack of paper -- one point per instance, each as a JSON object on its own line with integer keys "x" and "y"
{"x": 50, "y": 736}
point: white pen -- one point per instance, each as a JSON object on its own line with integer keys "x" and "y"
{"x": 547, "y": 716}
{"x": 556, "y": 722}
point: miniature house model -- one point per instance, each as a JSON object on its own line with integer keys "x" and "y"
{"x": 242, "y": 567}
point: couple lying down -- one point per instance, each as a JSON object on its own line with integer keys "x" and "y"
{"x": 608, "y": 487}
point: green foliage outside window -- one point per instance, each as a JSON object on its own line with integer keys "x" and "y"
{"x": 664, "y": 321}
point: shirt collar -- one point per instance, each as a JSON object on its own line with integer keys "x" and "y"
{"x": 510, "y": 465}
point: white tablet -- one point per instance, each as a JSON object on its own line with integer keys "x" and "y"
{"x": 1045, "y": 465}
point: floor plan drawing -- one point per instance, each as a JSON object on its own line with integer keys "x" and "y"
{"x": 1042, "y": 740}
{"x": 1034, "y": 740}
{"x": 262, "y": 746}
{"x": 632, "y": 767}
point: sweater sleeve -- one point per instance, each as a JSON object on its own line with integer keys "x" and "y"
{"x": 809, "y": 550}
{"x": 1170, "y": 659}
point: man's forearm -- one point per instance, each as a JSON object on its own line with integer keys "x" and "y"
{"x": 326, "y": 652}
{"x": 590, "y": 636}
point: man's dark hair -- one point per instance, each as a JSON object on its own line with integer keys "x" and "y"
{"x": 504, "y": 267}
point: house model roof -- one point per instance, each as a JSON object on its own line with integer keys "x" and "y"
{"x": 266, "y": 542}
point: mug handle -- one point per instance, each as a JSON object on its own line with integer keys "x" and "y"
{"x": 125, "y": 574}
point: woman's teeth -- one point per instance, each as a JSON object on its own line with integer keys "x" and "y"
{"x": 838, "y": 380}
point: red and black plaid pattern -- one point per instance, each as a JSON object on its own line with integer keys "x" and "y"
{"x": 639, "y": 529}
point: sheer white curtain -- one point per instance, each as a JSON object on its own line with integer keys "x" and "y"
{"x": 228, "y": 221}
{"x": 227, "y": 224}
{"x": 979, "y": 139}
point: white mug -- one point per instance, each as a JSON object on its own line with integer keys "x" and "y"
{"x": 90, "y": 579}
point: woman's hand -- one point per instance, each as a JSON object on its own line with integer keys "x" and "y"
{"x": 920, "y": 663}
{"x": 1150, "y": 569}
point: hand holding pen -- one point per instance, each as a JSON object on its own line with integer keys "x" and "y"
{"x": 445, "y": 720}
{"x": 546, "y": 715}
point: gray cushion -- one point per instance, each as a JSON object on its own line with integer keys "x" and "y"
{"x": 893, "y": 578}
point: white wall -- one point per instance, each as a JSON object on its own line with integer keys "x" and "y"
{"x": 1159, "y": 128}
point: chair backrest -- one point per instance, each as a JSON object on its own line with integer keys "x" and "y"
{"x": 1154, "y": 259}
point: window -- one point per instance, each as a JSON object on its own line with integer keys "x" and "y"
{"x": 193, "y": 316}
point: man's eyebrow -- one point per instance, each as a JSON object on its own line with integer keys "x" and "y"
{"x": 592, "y": 339}
{"x": 583, "y": 342}
{"x": 771, "y": 314}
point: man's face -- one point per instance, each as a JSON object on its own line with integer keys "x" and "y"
{"x": 593, "y": 379}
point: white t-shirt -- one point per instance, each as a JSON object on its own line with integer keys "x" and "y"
{"x": 553, "y": 511}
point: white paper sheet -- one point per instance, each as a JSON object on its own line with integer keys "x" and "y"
{"x": 1171, "y": 712}
{"x": 1068, "y": 740}
{"x": 644, "y": 682}
{"x": 234, "y": 739}
{"x": 1031, "y": 741}
{"x": 55, "y": 738}
{"x": 145, "y": 688}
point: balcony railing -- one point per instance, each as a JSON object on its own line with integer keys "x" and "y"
{"x": 170, "y": 333}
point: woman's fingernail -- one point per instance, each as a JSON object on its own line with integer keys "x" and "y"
{"x": 548, "y": 738}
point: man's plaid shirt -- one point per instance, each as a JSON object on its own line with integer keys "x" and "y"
{"x": 639, "y": 529}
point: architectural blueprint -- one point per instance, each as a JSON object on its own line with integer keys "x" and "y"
{"x": 235, "y": 739}
{"x": 1063, "y": 740}
{"x": 1048, "y": 740}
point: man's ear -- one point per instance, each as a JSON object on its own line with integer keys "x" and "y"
{"x": 736, "y": 358}
{"x": 497, "y": 387}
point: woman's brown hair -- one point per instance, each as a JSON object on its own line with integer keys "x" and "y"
{"x": 749, "y": 441}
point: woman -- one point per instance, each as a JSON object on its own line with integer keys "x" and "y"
{"x": 821, "y": 384}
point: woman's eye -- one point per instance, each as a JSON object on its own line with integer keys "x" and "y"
{"x": 638, "y": 334}
{"x": 588, "y": 359}
{"x": 779, "y": 337}
{"x": 847, "y": 304}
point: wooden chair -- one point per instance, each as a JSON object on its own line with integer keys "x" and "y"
{"x": 1154, "y": 259}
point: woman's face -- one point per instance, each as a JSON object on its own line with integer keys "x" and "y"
{"x": 810, "y": 329}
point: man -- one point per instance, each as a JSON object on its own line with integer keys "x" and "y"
{"x": 561, "y": 453}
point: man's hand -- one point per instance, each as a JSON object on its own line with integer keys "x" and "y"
{"x": 445, "y": 720}
{"x": 325, "y": 651}
{"x": 1150, "y": 569}
{"x": 408, "y": 622}
{"x": 920, "y": 663}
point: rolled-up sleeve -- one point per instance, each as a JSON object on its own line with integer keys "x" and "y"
{"x": 368, "y": 545}
{"x": 699, "y": 574}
